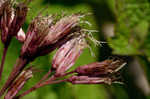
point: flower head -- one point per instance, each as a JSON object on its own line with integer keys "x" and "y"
{"x": 37, "y": 30}
{"x": 105, "y": 72}
{"x": 43, "y": 35}
{"x": 20, "y": 13}
{"x": 61, "y": 28}
{"x": 90, "y": 80}
{"x": 68, "y": 53}
{"x": 19, "y": 83}
{"x": 103, "y": 68}
{"x": 11, "y": 19}
{"x": 5, "y": 20}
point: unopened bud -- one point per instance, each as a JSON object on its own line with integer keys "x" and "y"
{"x": 42, "y": 35}
{"x": 103, "y": 68}
{"x": 61, "y": 28}
{"x": 21, "y": 36}
{"x": 90, "y": 80}
{"x": 20, "y": 14}
{"x": 5, "y": 19}
{"x": 67, "y": 54}
{"x": 11, "y": 19}
{"x": 37, "y": 31}
{"x": 19, "y": 83}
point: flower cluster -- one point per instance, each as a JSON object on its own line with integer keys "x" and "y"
{"x": 11, "y": 19}
{"x": 98, "y": 72}
{"x": 44, "y": 35}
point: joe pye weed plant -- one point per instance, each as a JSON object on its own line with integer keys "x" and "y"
{"x": 44, "y": 35}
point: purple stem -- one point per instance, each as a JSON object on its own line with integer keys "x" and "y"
{"x": 3, "y": 61}
{"x": 45, "y": 76}
{"x": 38, "y": 86}
{"x": 51, "y": 80}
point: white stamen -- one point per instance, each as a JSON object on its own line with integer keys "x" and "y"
{"x": 120, "y": 67}
{"x": 86, "y": 22}
{"x": 91, "y": 51}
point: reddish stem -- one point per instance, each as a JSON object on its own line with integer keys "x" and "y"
{"x": 45, "y": 76}
{"x": 38, "y": 86}
{"x": 51, "y": 80}
{"x": 3, "y": 61}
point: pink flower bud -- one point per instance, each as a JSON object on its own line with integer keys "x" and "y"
{"x": 37, "y": 31}
{"x": 61, "y": 28}
{"x": 5, "y": 19}
{"x": 11, "y": 19}
{"x": 42, "y": 35}
{"x": 67, "y": 54}
{"x": 100, "y": 68}
{"x": 90, "y": 80}
{"x": 21, "y": 35}
{"x": 20, "y": 14}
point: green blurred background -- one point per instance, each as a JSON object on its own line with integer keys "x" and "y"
{"x": 123, "y": 24}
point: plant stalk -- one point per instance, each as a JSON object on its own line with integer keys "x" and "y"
{"x": 3, "y": 61}
{"x": 51, "y": 80}
{"x": 38, "y": 86}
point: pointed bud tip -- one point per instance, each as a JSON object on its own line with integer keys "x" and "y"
{"x": 21, "y": 36}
